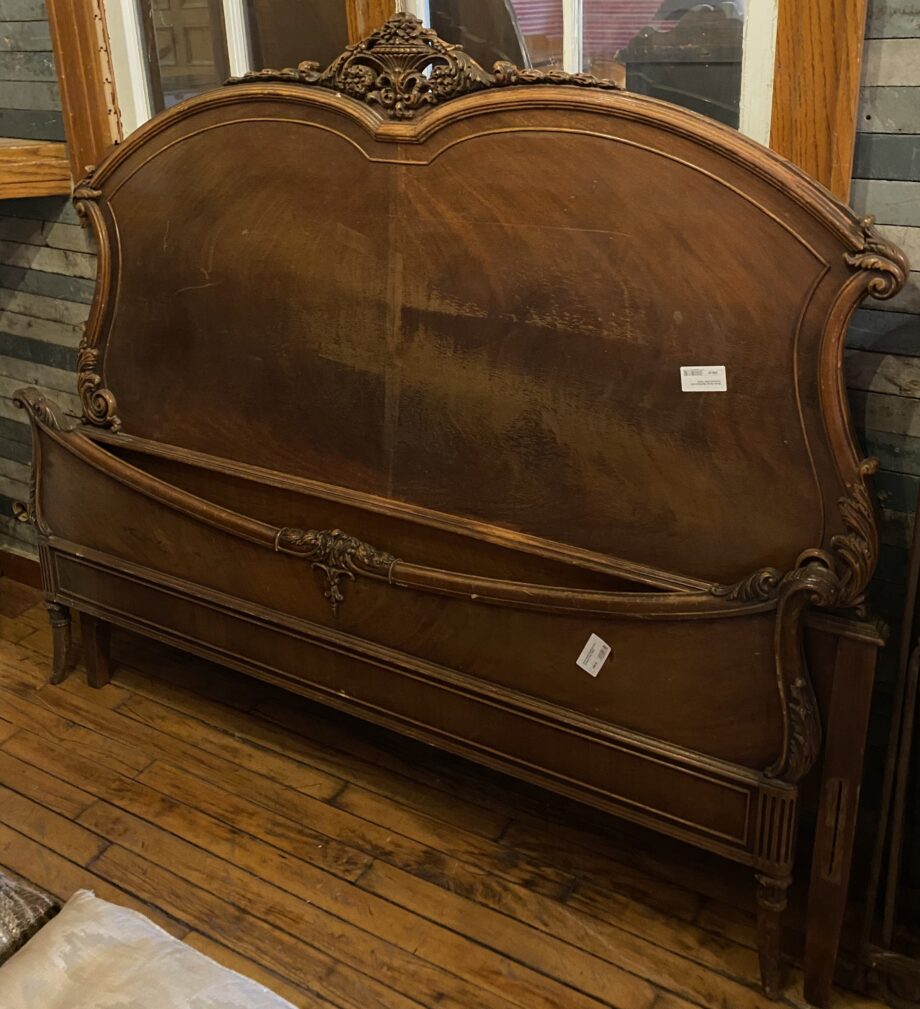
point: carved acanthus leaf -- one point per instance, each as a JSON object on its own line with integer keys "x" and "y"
{"x": 813, "y": 582}
{"x": 857, "y": 549}
{"x": 403, "y": 67}
{"x": 852, "y": 555}
{"x": 40, "y": 411}
{"x": 99, "y": 406}
{"x": 886, "y": 262}
{"x": 83, "y": 191}
{"x": 337, "y": 555}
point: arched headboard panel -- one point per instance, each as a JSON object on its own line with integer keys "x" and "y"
{"x": 474, "y": 293}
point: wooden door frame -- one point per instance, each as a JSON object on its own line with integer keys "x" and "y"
{"x": 819, "y": 48}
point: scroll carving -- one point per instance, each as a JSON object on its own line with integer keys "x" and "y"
{"x": 886, "y": 262}
{"x": 99, "y": 406}
{"x": 852, "y": 556}
{"x": 40, "y": 411}
{"x": 84, "y": 191}
{"x": 857, "y": 549}
{"x": 812, "y": 583}
{"x": 403, "y": 67}
{"x": 337, "y": 555}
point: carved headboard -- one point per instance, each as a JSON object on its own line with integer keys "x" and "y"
{"x": 474, "y": 293}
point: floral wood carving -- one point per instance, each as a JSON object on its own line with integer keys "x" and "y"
{"x": 852, "y": 555}
{"x": 99, "y": 406}
{"x": 337, "y": 555}
{"x": 403, "y": 67}
{"x": 879, "y": 257}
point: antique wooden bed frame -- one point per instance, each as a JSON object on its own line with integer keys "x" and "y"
{"x": 568, "y": 358}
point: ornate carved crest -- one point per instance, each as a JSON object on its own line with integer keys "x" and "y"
{"x": 337, "y": 555}
{"x": 403, "y": 67}
{"x": 879, "y": 257}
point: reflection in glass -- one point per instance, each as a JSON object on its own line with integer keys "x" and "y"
{"x": 186, "y": 48}
{"x": 284, "y": 32}
{"x": 682, "y": 51}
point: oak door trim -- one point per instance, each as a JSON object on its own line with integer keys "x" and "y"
{"x": 84, "y": 69}
{"x": 819, "y": 49}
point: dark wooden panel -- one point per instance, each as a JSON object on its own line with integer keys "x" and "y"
{"x": 25, "y": 36}
{"x": 27, "y": 66}
{"x": 885, "y": 332}
{"x": 51, "y": 285}
{"x": 32, "y": 124}
{"x": 889, "y": 202}
{"x": 38, "y": 351}
{"x": 43, "y": 208}
{"x": 893, "y": 19}
{"x": 34, "y": 95}
{"x": 22, "y": 10}
{"x": 887, "y": 156}
{"x": 889, "y": 110}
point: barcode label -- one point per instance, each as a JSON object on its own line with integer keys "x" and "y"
{"x": 593, "y": 655}
{"x": 703, "y": 378}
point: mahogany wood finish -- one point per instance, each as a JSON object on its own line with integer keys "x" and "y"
{"x": 382, "y": 403}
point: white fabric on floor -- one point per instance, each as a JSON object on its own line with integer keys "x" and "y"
{"x": 97, "y": 955}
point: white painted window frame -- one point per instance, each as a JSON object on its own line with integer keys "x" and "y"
{"x": 126, "y": 41}
{"x": 133, "y": 85}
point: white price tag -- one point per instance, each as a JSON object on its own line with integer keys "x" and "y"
{"x": 593, "y": 655}
{"x": 703, "y": 378}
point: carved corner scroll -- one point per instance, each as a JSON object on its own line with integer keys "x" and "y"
{"x": 884, "y": 261}
{"x": 403, "y": 67}
{"x": 99, "y": 406}
{"x": 41, "y": 411}
{"x": 852, "y": 556}
{"x": 337, "y": 555}
{"x": 83, "y": 193}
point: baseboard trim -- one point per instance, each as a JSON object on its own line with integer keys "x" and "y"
{"x": 20, "y": 568}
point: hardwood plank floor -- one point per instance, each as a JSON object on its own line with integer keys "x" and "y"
{"x": 338, "y": 864}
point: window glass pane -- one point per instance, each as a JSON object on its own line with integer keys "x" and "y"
{"x": 682, "y": 51}
{"x": 186, "y": 48}
{"x": 284, "y": 32}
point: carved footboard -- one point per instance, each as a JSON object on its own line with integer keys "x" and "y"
{"x": 502, "y": 408}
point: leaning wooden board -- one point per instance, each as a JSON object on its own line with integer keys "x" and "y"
{"x": 502, "y": 408}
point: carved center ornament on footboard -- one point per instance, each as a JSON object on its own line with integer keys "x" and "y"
{"x": 337, "y": 555}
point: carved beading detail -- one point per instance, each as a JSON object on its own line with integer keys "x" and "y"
{"x": 403, "y": 67}
{"x": 886, "y": 262}
{"x": 337, "y": 555}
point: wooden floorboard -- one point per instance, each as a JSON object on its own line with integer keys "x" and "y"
{"x": 338, "y": 864}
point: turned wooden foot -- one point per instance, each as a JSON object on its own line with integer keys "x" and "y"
{"x": 771, "y": 903}
{"x": 59, "y": 617}
{"x": 96, "y": 637}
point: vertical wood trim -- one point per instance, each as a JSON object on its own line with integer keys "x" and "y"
{"x": 819, "y": 45}
{"x": 81, "y": 52}
{"x": 366, "y": 15}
